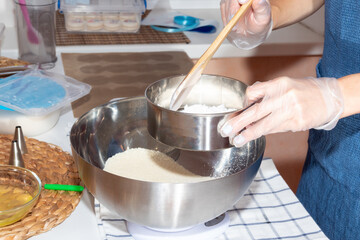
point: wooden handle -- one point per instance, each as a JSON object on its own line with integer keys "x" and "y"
{"x": 205, "y": 58}
{"x": 194, "y": 74}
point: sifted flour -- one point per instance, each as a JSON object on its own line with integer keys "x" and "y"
{"x": 201, "y": 108}
{"x": 151, "y": 166}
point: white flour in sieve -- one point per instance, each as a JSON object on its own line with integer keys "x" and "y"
{"x": 201, "y": 108}
{"x": 151, "y": 166}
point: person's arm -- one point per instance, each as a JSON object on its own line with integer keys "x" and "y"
{"x": 350, "y": 89}
{"x": 287, "y": 12}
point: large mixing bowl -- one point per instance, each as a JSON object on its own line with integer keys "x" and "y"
{"x": 122, "y": 124}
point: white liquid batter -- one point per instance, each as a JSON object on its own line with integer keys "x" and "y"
{"x": 151, "y": 166}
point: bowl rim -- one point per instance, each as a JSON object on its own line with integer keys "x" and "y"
{"x": 22, "y": 170}
{"x": 187, "y": 113}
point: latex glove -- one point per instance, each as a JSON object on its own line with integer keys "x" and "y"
{"x": 285, "y": 104}
{"x": 253, "y": 28}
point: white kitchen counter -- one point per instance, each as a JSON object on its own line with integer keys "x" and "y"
{"x": 299, "y": 39}
{"x": 82, "y": 223}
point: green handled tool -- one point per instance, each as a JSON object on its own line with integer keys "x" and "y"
{"x": 75, "y": 188}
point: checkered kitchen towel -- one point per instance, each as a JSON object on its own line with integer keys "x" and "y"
{"x": 269, "y": 210}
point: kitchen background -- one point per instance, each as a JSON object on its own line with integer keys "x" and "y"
{"x": 293, "y": 51}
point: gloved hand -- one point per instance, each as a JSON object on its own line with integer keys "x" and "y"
{"x": 253, "y": 28}
{"x": 285, "y": 104}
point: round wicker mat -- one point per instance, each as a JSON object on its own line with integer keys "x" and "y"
{"x": 54, "y": 166}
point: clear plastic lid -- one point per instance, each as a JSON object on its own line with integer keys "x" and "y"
{"x": 102, "y": 5}
{"x": 38, "y": 92}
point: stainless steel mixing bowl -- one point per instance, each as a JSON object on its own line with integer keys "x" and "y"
{"x": 193, "y": 131}
{"x": 122, "y": 124}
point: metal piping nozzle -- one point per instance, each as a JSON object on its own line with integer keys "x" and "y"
{"x": 19, "y": 136}
{"x": 15, "y": 155}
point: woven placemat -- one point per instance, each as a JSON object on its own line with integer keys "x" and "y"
{"x": 146, "y": 35}
{"x": 52, "y": 165}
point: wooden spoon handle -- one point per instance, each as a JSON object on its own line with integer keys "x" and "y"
{"x": 194, "y": 74}
{"x": 222, "y": 35}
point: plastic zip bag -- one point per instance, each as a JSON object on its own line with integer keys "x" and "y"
{"x": 38, "y": 92}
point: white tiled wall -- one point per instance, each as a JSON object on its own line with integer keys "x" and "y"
{"x": 183, "y": 4}
{"x": 315, "y": 22}
{"x": 7, "y": 13}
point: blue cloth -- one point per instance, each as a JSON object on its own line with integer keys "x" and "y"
{"x": 330, "y": 184}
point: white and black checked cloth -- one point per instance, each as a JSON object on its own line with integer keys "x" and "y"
{"x": 269, "y": 210}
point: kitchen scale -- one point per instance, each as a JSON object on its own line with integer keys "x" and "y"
{"x": 203, "y": 231}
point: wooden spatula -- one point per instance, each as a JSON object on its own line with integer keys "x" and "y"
{"x": 194, "y": 75}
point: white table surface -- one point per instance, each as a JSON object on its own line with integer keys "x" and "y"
{"x": 81, "y": 224}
